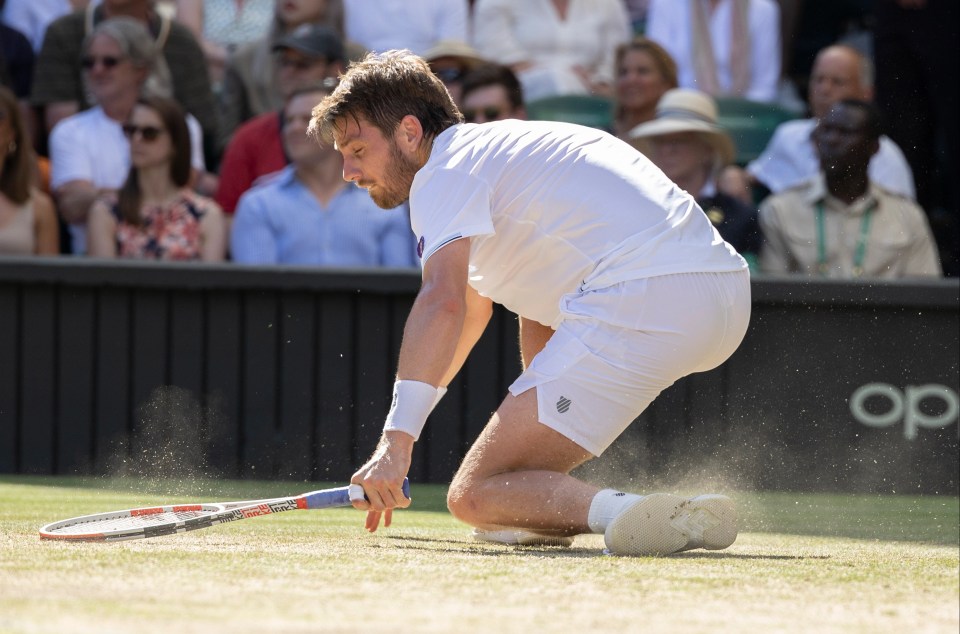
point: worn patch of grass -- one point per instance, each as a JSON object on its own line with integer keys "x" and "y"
{"x": 825, "y": 563}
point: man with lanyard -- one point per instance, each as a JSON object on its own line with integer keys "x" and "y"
{"x": 620, "y": 282}
{"x": 841, "y": 224}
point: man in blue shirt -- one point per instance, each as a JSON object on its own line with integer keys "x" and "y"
{"x": 306, "y": 214}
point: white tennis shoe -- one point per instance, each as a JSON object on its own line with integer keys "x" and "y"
{"x": 662, "y": 524}
{"x": 517, "y": 537}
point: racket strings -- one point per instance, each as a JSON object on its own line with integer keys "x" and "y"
{"x": 127, "y": 522}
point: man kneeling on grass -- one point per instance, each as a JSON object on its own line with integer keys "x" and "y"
{"x": 620, "y": 281}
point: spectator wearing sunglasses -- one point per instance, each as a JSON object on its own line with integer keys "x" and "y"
{"x": 492, "y": 92}
{"x": 89, "y": 155}
{"x": 156, "y": 215}
{"x": 58, "y": 80}
{"x": 451, "y": 60}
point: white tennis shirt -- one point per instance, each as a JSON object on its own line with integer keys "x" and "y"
{"x": 555, "y": 208}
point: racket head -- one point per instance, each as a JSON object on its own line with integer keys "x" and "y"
{"x": 127, "y": 524}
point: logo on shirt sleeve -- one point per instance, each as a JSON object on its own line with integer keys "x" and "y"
{"x": 420, "y": 244}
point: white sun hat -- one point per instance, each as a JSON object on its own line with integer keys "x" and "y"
{"x": 685, "y": 110}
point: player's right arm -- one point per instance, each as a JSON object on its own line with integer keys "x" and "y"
{"x": 444, "y": 323}
{"x": 479, "y": 311}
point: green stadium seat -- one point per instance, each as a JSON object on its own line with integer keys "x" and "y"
{"x": 750, "y": 124}
{"x": 588, "y": 110}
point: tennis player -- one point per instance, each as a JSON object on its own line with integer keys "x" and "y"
{"x": 620, "y": 282}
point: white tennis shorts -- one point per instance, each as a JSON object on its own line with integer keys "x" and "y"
{"x": 617, "y": 348}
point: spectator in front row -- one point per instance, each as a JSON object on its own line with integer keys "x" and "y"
{"x": 28, "y": 223}
{"x": 307, "y": 56}
{"x": 89, "y": 155}
{"x": 722, "y": 47}
{"x": 157, "y": 216}
{"x": 491, "y": 93}
{"x": 842, "y": 224}
{"x": 643, "y": 72}
{"x": 308, "y": 215}
{"x": 685, "y": 142}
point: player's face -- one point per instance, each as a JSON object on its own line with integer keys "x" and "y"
{"x": 375, "y": 162}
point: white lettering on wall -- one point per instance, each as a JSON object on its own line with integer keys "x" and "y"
{"x": 904, "y": 406}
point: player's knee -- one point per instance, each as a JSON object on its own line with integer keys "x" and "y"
{"x": 464, "y": 503}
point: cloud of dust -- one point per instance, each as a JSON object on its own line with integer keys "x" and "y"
{"x": 169, "y": 442}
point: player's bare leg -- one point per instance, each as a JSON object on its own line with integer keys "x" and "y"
{"x": 517, "y": 476}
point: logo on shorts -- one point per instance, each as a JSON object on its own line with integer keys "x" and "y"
{"x": 420, "y": 244}
{"x": 564, "y": 404}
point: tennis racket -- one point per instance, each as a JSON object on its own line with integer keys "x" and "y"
{"x": 155, "y": 521}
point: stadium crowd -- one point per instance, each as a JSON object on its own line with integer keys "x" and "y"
{"x": 170, "y": 129}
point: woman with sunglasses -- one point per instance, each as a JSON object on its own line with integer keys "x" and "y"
{"x": 28, "y": 224}
{"x": 157, "y": 216}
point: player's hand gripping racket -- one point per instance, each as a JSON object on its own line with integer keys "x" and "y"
{"x": 168, "y": 520}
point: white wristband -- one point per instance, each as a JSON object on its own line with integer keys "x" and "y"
{"x": 412, "y": 403}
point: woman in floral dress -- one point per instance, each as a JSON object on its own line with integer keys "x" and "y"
{"x": 156, "y": 215}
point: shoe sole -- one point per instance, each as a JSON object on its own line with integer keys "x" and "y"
{"x": 520, "y": 537}
{"x": 663, "y": 524}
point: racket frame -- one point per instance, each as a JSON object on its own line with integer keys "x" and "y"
{"x": 213, "y": 513}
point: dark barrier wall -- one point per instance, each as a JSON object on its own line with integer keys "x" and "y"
{"x": 173, "y": 370}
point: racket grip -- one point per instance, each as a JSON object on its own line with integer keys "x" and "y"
{"x": 355, "y": 491}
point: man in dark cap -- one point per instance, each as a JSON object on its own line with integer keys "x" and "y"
{"x": 311, "y": 54}
{"x": 252, "y": 86}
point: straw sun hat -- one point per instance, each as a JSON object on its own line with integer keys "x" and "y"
{"x": 685, "y": 110}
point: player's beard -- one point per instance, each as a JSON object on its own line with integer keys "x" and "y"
{"x": 398, "y": 179}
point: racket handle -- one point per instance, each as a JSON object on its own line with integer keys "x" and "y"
{"x": 356, "y": 491}
{"x": 329, "y": 498}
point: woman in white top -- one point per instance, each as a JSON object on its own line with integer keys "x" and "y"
{"x": 556, "y": 47}
{"x": 28, "y": 224}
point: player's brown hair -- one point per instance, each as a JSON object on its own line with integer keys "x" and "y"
{"x": 383, "y": 88}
